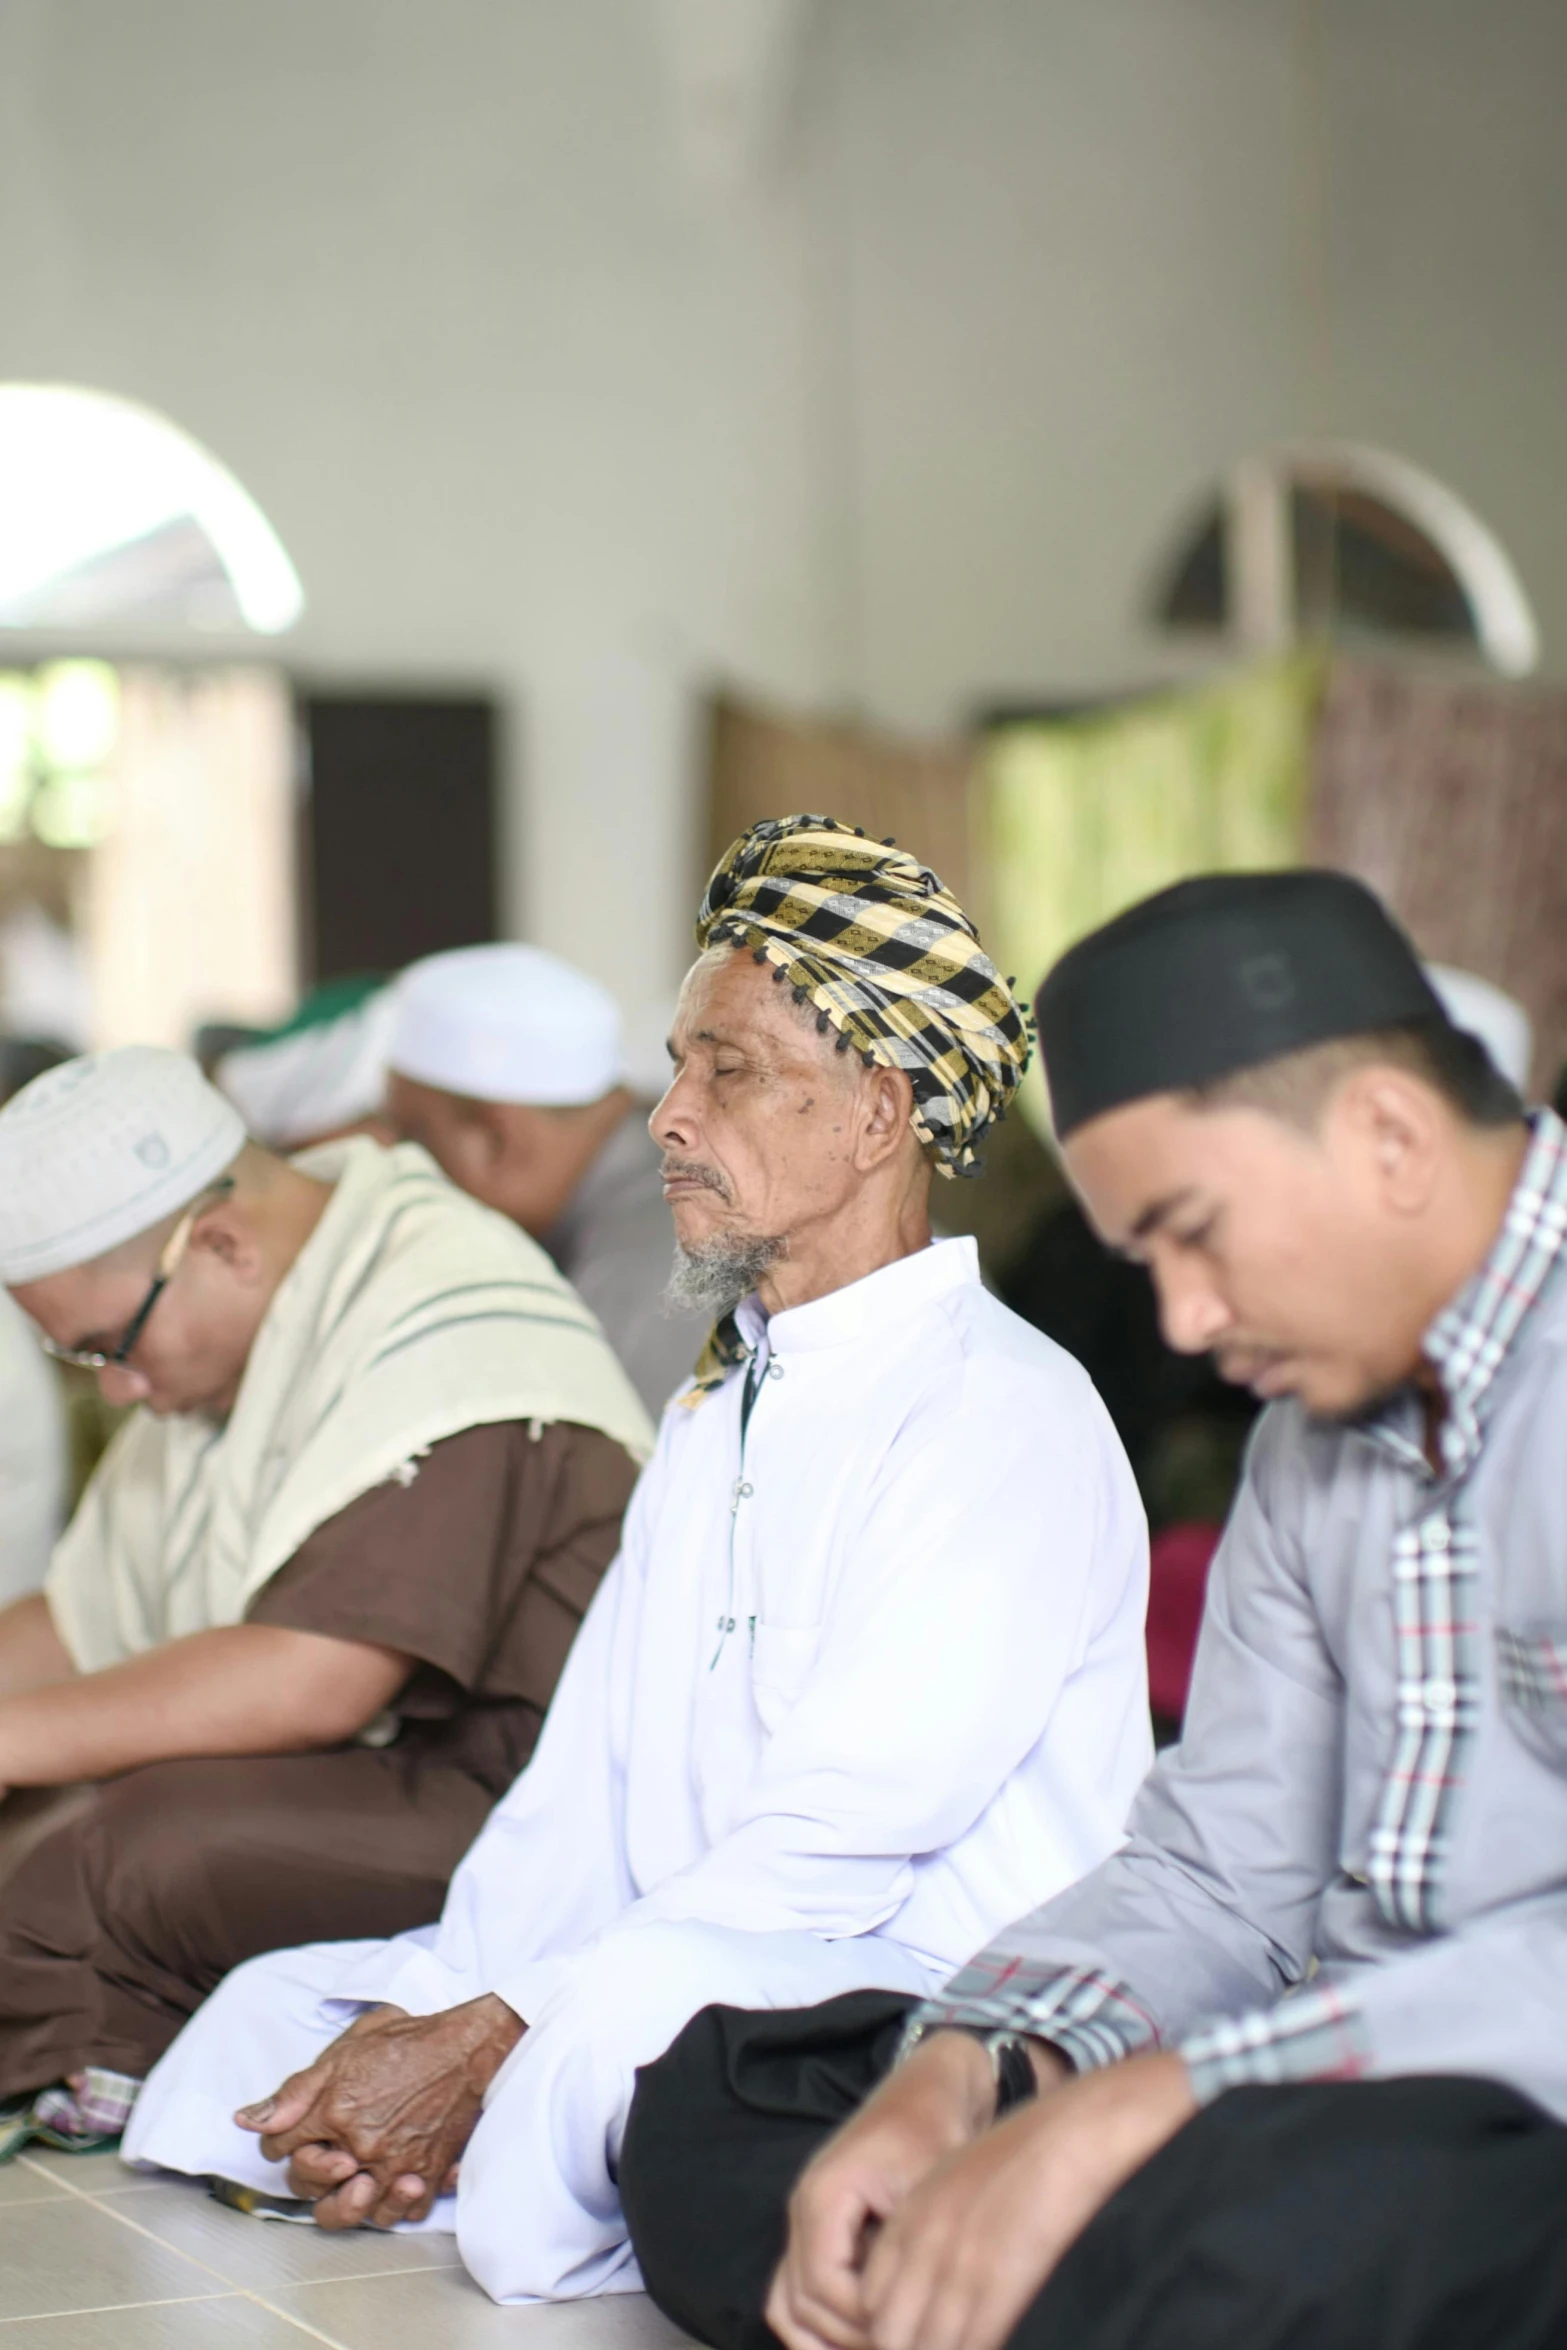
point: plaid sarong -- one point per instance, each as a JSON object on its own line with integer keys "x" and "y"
{"x": 869, "y": 936}
{"x": 70, "y": 2120}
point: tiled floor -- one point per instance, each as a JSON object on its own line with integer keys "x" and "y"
{"x": 93, "y": 2257}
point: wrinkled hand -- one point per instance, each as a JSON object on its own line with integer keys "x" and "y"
{"x": 965, "y": 2252}
{"x": 373, "y": 2131}
{"x": 932, "y": 2106}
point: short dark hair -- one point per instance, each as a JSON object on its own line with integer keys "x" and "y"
{"x": 1296, "y": 1086}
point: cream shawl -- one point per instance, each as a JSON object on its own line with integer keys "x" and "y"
{"x": 410, "y": 1314}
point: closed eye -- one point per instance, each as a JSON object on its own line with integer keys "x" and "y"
{"x": 1199, "y": 1236}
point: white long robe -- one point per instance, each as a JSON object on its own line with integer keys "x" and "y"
{"x": 857, "y": 1691}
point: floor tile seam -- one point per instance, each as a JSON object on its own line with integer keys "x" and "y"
{"x": 66, "y": 2185}
{"x": 29, "y": 2317}
{"x": 357, "y": 2276}
{"x": 365, "y": 2276}
{"x": 229, "y": 2284}
{"x": 292, "y": 2318}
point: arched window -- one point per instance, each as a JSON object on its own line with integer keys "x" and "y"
{"x": 146, "y": 804}
{"x": 109, "y": 513}
{"x": 1350, "y": 544}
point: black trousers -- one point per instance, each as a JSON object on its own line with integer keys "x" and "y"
{"x": 1420, "y": 2214}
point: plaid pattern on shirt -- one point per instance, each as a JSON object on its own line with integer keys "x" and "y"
{"x": 1435, "y": 1580}
{"x": 1315, "y": 2034}
{"x": 1090, "y": 2017}
{"x": 1532, "y": 1669}
{"x": 1311, "y": 2036}
{"x": 1436, "y": 1565}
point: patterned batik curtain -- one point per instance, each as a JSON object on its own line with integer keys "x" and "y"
{"x": 1085, "y": 815}
{"x": 1449, "y": 796}
{"x": 763, "y": 764}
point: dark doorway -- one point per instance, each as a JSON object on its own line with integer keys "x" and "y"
{"x": 398, "y": 830}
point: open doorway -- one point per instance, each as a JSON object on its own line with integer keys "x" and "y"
{"x": 147, "y": 871}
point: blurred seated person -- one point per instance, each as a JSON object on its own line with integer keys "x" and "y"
{"x": 34, "y": 1450}
{"x": 317, "y": 1076}
{"x": 309, "y": 1614}
{"x": 33, "y": 1455}
{"x": 507, "y": 1064}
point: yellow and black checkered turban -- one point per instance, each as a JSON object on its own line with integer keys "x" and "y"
{"x": 869, "y": 936}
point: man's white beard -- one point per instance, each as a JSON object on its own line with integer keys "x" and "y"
{"x": 716, "y": 1274}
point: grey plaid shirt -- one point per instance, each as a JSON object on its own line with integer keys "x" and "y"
{"x": 1374, "y": 1771}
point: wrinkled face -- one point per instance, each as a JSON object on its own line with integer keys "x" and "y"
{"x": 1273, "y": 1249}
{"x": 191, "y": 1355}
{"x": 758, "y": 1126}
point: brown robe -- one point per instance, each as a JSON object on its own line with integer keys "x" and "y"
{"x": 127, "y": 1911}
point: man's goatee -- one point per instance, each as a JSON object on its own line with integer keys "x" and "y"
{"x": 716, "y": 1274}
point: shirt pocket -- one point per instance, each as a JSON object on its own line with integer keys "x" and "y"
{"x": 1531, "y": 1669}
{"x": 781, "y": 1659}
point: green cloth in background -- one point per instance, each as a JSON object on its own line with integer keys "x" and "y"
{"x": 1086, "y": 815}
{"x": 324, "y": 1004}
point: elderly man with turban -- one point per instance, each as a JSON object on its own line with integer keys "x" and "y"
{"x": 871, "y": 1655}
{"x": 303, "y": 1627}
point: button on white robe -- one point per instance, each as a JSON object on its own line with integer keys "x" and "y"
{"x": 855, "y": 1693}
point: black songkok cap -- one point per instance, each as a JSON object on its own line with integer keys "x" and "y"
{"x": 1217, "y": 975}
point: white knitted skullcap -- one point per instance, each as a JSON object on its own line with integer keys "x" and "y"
{"x": 506, "y": 1024}
{"x": 102, "y": 1148}
{"x": 1496, "y": 1018}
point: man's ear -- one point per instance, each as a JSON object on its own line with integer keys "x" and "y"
{"x": 1403, "y": 1127}
{"x": 888, "y": 1100}
{"x": 224, "y": 1231}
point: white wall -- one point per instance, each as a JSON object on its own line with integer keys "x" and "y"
{"x": 1099, "y": 249}
{"x": 523, "y": 411}
{"x": 1449, "y": 260}
{"x": 898, "y": 425}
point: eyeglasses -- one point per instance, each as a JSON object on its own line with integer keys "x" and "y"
{"x": 85, "y": 1358}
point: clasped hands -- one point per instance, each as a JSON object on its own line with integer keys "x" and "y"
{"x": 374, "y": 2130}
{"x": 924, "y": 2226}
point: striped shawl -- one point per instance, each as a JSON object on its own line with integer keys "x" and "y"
{"x": 411, "y": 1314}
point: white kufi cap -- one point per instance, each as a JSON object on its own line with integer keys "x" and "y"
{"x": 102, "y": 1148}
{"x": 506, "y": 1024}
{"x": 1496, "y": 1018}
